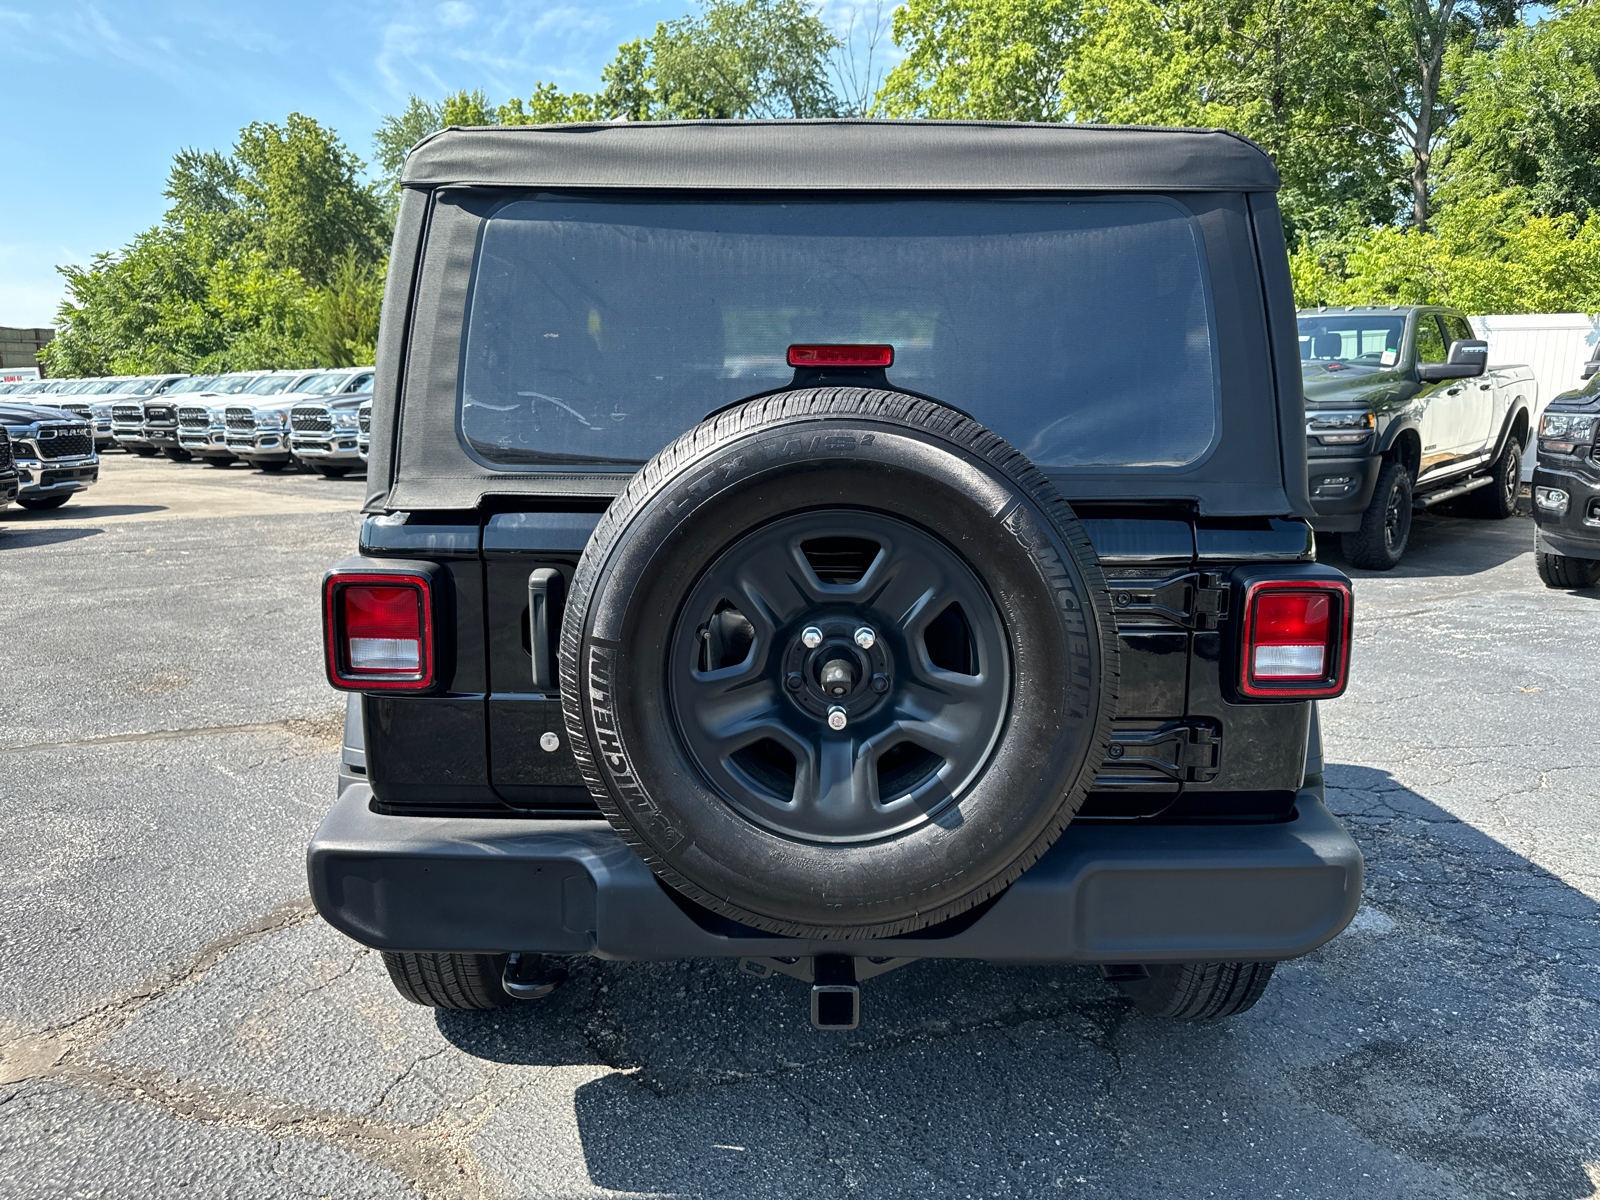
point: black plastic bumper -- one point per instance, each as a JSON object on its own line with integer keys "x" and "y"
{"x": 1102, "y": 894}
{"x": 1569, "y": 533}
{"x": 1342, "y": 513}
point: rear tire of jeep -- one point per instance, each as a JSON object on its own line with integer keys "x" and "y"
{"x": 1499, "y": 500}
{"x": 1565, "y": 572}
{"x": 787, "y": 678}
{"x": 1386, "y": 525}
{"x": 462, "y": 981}
{"x": 1198, "y": 991}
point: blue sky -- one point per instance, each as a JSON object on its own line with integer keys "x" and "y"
{"x": 96, "y": 98}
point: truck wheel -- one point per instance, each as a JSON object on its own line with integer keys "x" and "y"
{"x": 331, "y": 471}
{"x": 788, "y": 681}
{"x": 469, "y": 981}
{"x": 1198, "y": 991}
{"x": 145, "y": 451}
{"x": 1565, "y": 572}
{"x": 176, "y": 454}
{"x": 1386, "y": 525}
{"x": 43, "y": 502}
{"x": 270, "y": 467}
{"x": 1499, "y": 500}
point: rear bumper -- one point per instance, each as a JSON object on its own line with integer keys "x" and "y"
{"x": 1102, "y": 894}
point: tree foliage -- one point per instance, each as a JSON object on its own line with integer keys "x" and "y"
{"x": 233, "y": 277}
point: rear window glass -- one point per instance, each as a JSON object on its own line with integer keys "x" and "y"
{"x": 598, "y": 329}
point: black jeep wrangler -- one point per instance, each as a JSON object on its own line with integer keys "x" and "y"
{"x": 832, "y": 544}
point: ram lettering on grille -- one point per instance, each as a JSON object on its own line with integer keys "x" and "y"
{"x": 194, "y": 418}
{"x": 67, "y": 443}
{"x": 127, "y": 414}
{"x": 242, "y": 419}
{"x": 310, "y": 420}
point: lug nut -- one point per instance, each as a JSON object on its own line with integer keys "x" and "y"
{"x": 549, "y": 743}
{"x": 811, "y": 637}
{"x": 837, "y": 717}
{"x": 865, "y": 638}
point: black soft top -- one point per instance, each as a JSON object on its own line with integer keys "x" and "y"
{"x": 854, "y": 155}
{"x": 454, "y": 179}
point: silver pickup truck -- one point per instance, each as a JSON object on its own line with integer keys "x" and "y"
{"x": 1403, "y": 413}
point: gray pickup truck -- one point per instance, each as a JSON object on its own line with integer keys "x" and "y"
{"x": 771, "y": 556}
{"x": 1403, "y": 413}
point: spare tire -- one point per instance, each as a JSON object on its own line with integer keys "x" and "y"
{"x": 839, "y": 663}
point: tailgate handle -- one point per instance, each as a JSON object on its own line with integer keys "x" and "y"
{"x": 544, "y": 593}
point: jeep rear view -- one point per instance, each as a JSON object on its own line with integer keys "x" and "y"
{"x": 826, "y": 545}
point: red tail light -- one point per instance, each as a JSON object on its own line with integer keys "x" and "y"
{"x": 841, "y": 356}
{"x": 378, "y": 631}
{"x": 1296, "y": 639}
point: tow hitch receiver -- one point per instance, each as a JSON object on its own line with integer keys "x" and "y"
{"x": 835, "y": 981}
{"x": 835, "y": 996}
{"x": 530, "y": 977}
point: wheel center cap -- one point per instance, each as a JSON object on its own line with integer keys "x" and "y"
{"x": 831, "y": 671}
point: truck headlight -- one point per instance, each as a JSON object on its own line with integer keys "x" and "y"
{"x": 1566, "y": 433}
{"x": 1340, "y": 428}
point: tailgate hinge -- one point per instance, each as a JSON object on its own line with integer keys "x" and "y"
{"x": 1193, "y": 600}
{"x": 1187, "y": 752}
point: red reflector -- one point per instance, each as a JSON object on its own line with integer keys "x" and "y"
{"x": 379, "y": 632}
{"x": 1296, "y": 639}
{"x": 841, "y": 356}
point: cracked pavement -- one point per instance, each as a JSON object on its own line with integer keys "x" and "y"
{"x": 179, "y": 1020}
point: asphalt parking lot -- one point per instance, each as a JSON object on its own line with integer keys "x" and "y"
{"x": 177, "y": 1021}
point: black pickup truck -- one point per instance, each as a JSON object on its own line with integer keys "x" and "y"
{"x": 829, "y": 545}
{"x": 1566, "y": 487}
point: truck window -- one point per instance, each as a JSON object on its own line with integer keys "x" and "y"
{"x": 1457, "y": 329}
{"x": 599, "y": 327}
{"x": 1361, "y": 339}
{"x": 1430, "y": 343}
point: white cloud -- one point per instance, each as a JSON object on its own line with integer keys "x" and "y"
{"x": 455, "y": 14}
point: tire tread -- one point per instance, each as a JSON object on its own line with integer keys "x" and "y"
{"x": 458, "y": 981}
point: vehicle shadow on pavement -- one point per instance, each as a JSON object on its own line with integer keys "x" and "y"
{"x": 80, "y": 512}
{"x": 19, "y": 538}
{"x": 1445, "y": 545}
{"x": 1443, "y": 1046}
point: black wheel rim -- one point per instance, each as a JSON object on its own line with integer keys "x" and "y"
{"x": 924, "y": 702}
{"x": 1396, "y": 518}
{"x": 1513, "y": 474}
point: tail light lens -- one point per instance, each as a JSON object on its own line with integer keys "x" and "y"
{"x": 379, "y": 632}
{"x": 1296, "y": 639}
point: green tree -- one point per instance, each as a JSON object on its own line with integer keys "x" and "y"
{"x": 985, "y": 59}
{"x": 1280, "y": 71}
{"x": 396, "y": 135}
{"x": 344, "y": 321}
{"x": 743, "y": 58}
{"x": 1488, "y": 254}
{"x": 300, "y": 189}
{"x": 1529, "y": 116}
